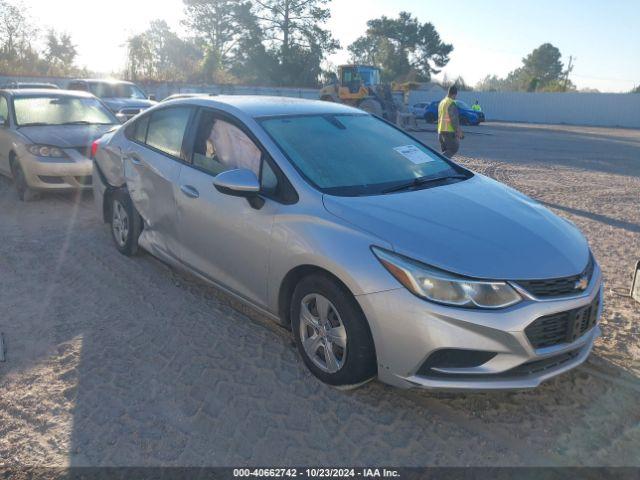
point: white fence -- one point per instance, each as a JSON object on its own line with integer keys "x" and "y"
{"x": 594, "y": 109}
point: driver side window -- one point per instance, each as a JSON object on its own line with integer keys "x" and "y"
{"x": 220, "y": 146}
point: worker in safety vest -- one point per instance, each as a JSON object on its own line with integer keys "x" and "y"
{"x": 476, "y": 107}
{"x": 449, "y": 131}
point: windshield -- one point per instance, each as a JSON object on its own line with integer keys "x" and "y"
{"x": 116, "y": 90}
{"x": 370, "y": 76}
{"x": 461, "y": 104}
{"x": 354, "y": 154}
{"x": 58, "y": 110}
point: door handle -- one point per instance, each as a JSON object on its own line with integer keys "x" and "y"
{"x": 189, "y": 191}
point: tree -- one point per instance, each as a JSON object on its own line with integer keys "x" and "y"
{"x": 490, "y": 83}
{"x": 60, "y": 53}
{"x": 636, "y": 89}
{"x": 294, "y": 35}
{"x": 16, "y": 37}
{"x": 543, "y": 64}
{"x": 403, "y": 47}
{"x": 159, "y": 54}
{"x": 218, "y": 25}
{"x": 541, "y": 71}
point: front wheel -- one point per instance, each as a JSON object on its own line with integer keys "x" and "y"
{"x": 25, "y": 193}
{"x": 125, "y": 223}
{"x": 331, "y": 333}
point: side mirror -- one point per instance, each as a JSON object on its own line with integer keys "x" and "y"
{"x": 152, "y": 97}
{"x": 240, "y": 182}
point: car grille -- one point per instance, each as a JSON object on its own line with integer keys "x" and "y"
{"x": 563, "y": 327}
{"x": 539, "y": 366}
{"x": 530, "y": 368}
{"x": 558, "y": 287}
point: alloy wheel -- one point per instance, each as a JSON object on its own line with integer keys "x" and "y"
{"x": 323, "y": 335}
{"x": 120, "y": 223}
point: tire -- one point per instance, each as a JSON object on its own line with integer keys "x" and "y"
{"x": 25, "y": 193}
{"x": 463, "y": 120}
{"x": 372, "y": 106}
{"x": 125, "y": 223}
{"x": 350, "y": 360}
{"x": 429, "y": 117}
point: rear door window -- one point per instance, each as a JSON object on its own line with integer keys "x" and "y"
{"x": 166, "y": 129}
{"x": 4, "y": 108}
{"x": 139, "y": 133}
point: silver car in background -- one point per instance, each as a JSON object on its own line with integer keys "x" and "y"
{"x": 383, "y": 258}
{"x": 46, "y": 138}
{"x": 125, "y": 99}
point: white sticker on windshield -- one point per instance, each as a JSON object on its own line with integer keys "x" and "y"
{"x": 413, "y": 154}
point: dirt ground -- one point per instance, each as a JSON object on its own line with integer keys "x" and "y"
{"x": 117, "y": 361}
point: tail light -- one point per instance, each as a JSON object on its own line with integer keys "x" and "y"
{"x": 94, "y": 149}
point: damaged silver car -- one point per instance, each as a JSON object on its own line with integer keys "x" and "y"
{"x": 384, "y": 258}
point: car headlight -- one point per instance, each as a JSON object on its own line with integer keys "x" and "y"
{"x": 46, "y": 151}
{"x": 447, "y": 288}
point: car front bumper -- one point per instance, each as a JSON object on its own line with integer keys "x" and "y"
{"x": 408, "y": 330}
{"x": 42, "y": 173}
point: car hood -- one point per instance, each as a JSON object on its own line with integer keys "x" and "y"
{"x": 478, "y": 228}
{"x": 65, "y": 136}
{"x": 116, "y": 104}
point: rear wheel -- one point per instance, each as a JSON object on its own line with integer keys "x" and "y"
{"x": 25, "y": 193}
{"x": 429, "y": 117}
{"x": 331, "y": 333}
{"x": 125, "y": 223}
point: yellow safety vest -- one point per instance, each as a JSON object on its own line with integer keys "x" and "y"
{"x": 476, "y": 107}
{"x": 444, "y": 122}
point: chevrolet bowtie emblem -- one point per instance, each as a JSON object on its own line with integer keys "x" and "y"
{"x": 582, "y": 283}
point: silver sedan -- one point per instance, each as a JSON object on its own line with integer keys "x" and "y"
{"x": 46, "y": 138}
{"x": 383, "y": 257}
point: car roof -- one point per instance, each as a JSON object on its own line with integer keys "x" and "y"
{"x": 17, "y": 85}
{"x": 101, "y": 80}
{"x": 265, "y": 106}
{"x": 38, "y": 92}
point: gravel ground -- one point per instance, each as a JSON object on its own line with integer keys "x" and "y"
{"x": 117, "y": 361}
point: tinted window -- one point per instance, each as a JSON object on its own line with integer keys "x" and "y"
{"x": 268, "y": 180}
{"x": 139, "y": 132}
{"x": 4, "y": 108}
{"x": 166, "y": 129}
{"x": 59, "y": 110}
{"x": 77, "y": 86}
{"x": 353, "y": 154}
{"x": 116, "y": 90}
{"x": 221, "y": 146}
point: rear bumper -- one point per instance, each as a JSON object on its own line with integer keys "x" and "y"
{"x": 408, "y": 330}
{"x": 99, "y": 189}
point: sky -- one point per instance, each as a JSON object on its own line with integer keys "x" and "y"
{"x": 489, "y": 37}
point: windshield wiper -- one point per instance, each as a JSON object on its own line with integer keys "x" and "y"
{"x": 83, "y": 122}
{"x": 421, "y": 181}
{"x": 34, "y": 124}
